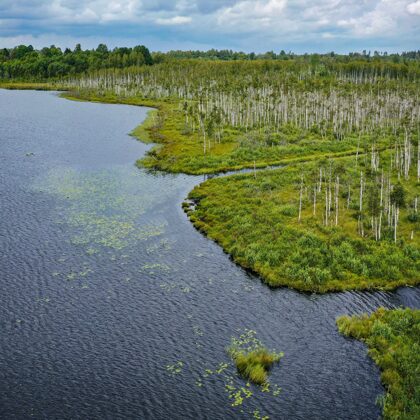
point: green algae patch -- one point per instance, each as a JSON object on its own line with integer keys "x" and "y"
{"x": 253, "y": 361}
{"x": 104, "y": 208}
{"x": 393, "y": 341}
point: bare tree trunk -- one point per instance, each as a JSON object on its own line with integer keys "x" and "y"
{"x": 300, "y": 198}
{"x": 396, "y": 215}
{"x": 337, "y": 187}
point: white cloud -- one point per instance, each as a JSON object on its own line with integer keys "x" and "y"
{"x": 414, "y": 8}
{"x": 380, "y": 20}
{"x": 173, "y": 21}
{"x": 250, "y": 14}
{"x": 246, "y": 24}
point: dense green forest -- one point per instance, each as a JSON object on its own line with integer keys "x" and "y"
{"x": 25, "y": 63}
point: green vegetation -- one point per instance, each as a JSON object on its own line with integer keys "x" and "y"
{"x": 255, "y": 365}
{"x": 329, "y": 225}
{"x": 24, "y": 63}
{"x": 253, "y": 361}
{"x": 393, "y": 339}
{"x": 144, "y": 131}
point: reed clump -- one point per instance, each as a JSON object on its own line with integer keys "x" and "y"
{"x": 252, "y": 359}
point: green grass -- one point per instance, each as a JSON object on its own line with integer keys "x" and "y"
{"x": 255, "y": 220}
{"x": 252, "y": 359}
{"x": 143, "y": 132}
{"x": 255, "y": 365}
{"x": 31, "y": 86}
{"x": 393, "y": 340}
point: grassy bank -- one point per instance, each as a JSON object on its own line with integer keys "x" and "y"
{"x": 31, "y": 86}
{"x": 277, "y": 224}
{"x": 393, "y": 340}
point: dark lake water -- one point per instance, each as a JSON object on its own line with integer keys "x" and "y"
{"x": 113, "y": 306}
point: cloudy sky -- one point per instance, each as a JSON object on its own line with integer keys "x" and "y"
{"x": 248, "y": 25}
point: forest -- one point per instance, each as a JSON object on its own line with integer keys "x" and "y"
{"x": 25, "y": 63}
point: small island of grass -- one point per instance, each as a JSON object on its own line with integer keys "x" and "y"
{"x": 252, "y": 359}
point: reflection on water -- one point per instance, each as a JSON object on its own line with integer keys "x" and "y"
{"x": 114, "y": 306}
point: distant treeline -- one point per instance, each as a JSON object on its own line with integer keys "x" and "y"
{"x": 26, "y": 63}
{"x": 229, "y": 55}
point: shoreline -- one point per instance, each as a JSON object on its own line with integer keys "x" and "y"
{"x": 147, "y": 133}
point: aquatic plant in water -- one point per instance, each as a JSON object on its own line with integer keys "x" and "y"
{"x": 242, "y": 395}
{"x": 253, "y": 361}
{"x": 176, "y": 368}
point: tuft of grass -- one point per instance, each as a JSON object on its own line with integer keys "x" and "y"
{"x": 255, "y": 365}
{"x": 393, "y": 340}
{"x": 252, "y": 359}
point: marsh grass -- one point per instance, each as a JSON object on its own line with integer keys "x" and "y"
{"x": 252, "y": 359}
{"x": 32, "y": 86}
{"x": 143, "y": 131}
{"x": 393, "y": 340}
{"x": 255, "y": 219}
{"x": 255, "y": 365}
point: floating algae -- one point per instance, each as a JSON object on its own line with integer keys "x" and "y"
{"x": 152, "y": 268}
{"x": 175, "y": 369}
{"x": 104, "y": 207}
{"x": 161, "y": 246}
{"x": 240, "y": 395}
{"x": 172, "y": 286}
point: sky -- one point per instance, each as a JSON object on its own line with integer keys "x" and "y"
{"x": 242, "y": 25}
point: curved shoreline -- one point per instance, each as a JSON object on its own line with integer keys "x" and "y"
{"x": 149, "y": 134}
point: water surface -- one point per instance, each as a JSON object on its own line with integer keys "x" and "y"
{"x": 113, "y": 306}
